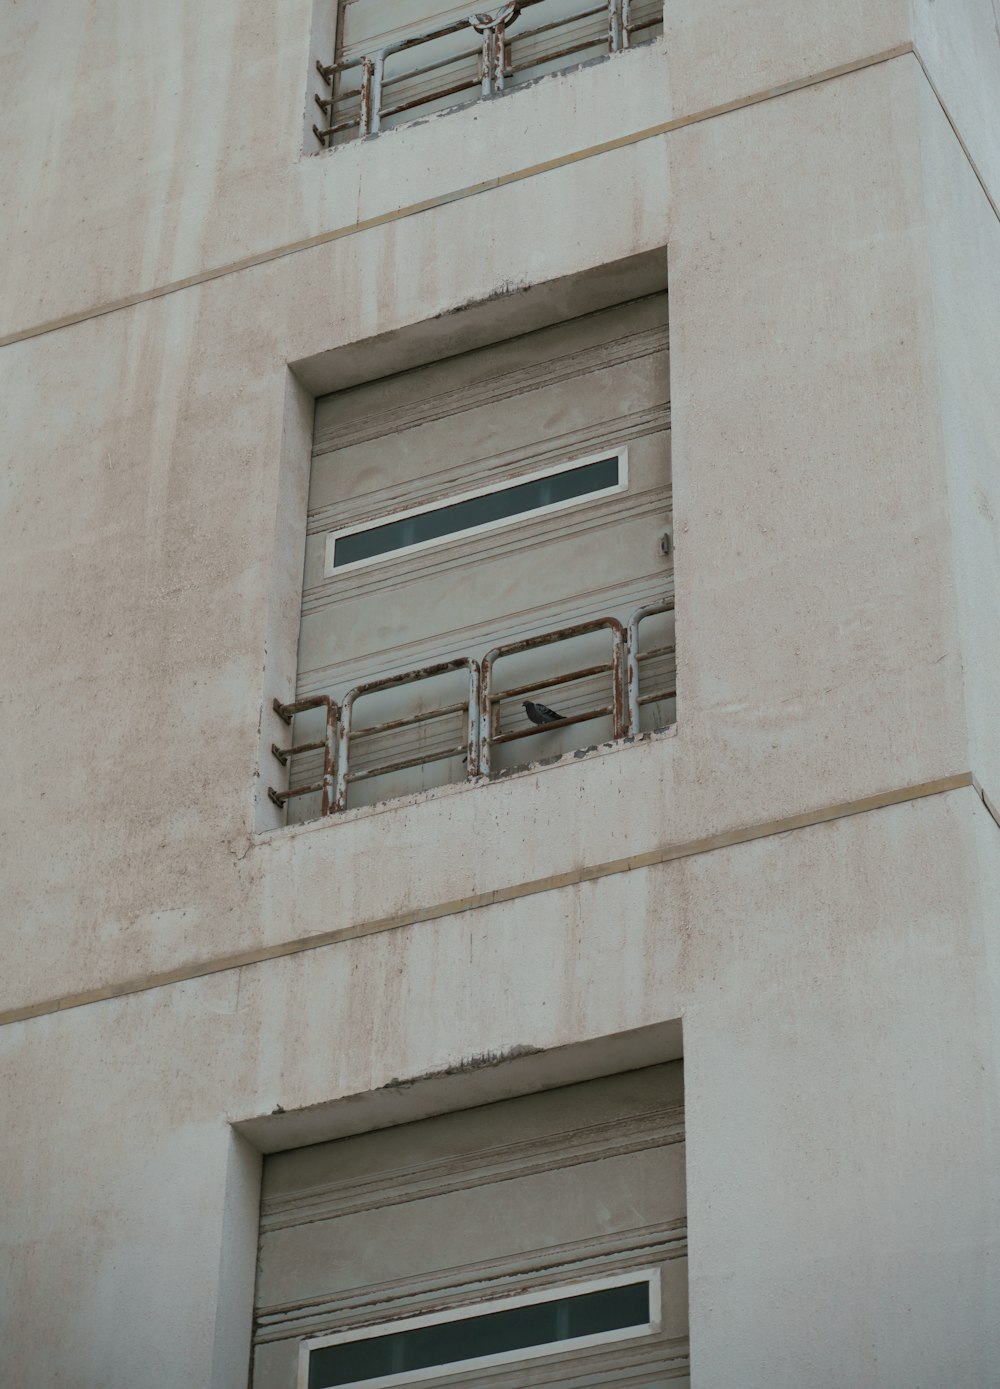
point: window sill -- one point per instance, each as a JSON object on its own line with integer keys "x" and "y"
{"x": 479, "y": 784}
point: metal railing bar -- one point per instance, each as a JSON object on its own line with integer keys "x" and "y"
{"x": 489, "y": 734}
{"x": 656, "y": 651}
{"x": 643, "y": 24}
{"x": 410, "y": 677}
{"x": 471, "y": 56}
{"x": 329, "y": 70}
{"x": 634, "y": 657}
{"x": 565, "y": 52}
{"x": 605, "y": 711}
{"x": 283, "y": 754}
{"x": 329, "y": 745}
{"x": 420, "y": 760}
{"x": 349, "y": 95}
{"x": 439, "y": 713}
{"x": 388, "y": 682}
{"x": 558, "y": 24}
{"x": 497, "y": 42}
{"x": 481, "y": 707}
{"x": 426, "y": 100}
{"x": 536, "y": 685}
{"x": 287, "y": 712}
{"x": 280, "y": 797}
{"x": 578, "y": 629}
{"x": 442, "y": 31}
{"x": 339, "y": 125}
{"x": 653, "y": 698}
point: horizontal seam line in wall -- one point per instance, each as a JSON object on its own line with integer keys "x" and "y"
{"x": 494, "y": 897}
{"x": 455, "y": 195}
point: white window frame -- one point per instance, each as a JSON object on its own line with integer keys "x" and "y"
{"x": 479, "y": 1309}
{"x": 331, "y": 570}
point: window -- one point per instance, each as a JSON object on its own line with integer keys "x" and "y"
{"x": 482, "y": 531}
{"x": 511, "y": 500}
{"x": 489, "y": 1334}
{"x": 396, "y": 60}
{"x": 537, "y": 1241}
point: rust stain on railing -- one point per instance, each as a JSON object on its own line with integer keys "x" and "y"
{"x": 634, "y": 657}
{"x": 481, "y": 706}
{"x": 495, "y": 63}
{"x": 389, "y": 682}
{"x": 329, "y": 743}
{"x": 490, "y": 734}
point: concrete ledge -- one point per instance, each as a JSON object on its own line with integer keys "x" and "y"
{"x": 433, "y": 912}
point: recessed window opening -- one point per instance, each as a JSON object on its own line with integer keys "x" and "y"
{"x": 501, "y": 509}
{"x": 514, "y": 499}
{"x": 397, "y": 63}
{"x": 549, "y": 1321}
{"x": 539, "y": 1239}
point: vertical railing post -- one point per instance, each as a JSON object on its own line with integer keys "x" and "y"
{"x": 474, "y": 718}
{"x": 486, "y": 714}
{"x": 486, "y": 63}
{"x": 375, "y": 96}
{"x": 666, "y": 605}
{"x": 343, "y": 750}
{"x": 632, "y": 658}
{"x": 619, "y": 700}
{"x": 494, "y": 56}
{"x": 330, "y": 756}
{"x": 614, "y": 25}
{"x": 365, "y": 118}
{"x": 499, "y": 56}
{"x": 626, "y": 20}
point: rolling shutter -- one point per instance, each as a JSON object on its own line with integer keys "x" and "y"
{"x": 549, "y": 1193}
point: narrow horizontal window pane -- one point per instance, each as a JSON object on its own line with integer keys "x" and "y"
{"x": 516, "y": 1328}
{"x": 452, "y": 519}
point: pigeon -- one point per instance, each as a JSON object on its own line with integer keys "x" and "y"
{"x": 540, "y": 713}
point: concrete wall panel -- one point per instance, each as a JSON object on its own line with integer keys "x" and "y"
{"x": 816, "y": 616}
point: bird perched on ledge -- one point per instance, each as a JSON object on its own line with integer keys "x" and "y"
{"x": 540, "y": 713}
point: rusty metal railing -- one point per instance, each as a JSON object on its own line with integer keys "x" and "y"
{"x": 328, "y": 744}
{"x": 470, "y": 748}
{"x": 490, "y": 735}
{"x": 635, "y": 656}
{"x": 481, "y": 707}
{"x": 495, "y": 61}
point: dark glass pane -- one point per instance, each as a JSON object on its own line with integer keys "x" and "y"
{"x": 477, "y": 511}
{"x": 517, "y": 1328}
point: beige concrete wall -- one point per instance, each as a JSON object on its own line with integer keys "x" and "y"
{"x": 831, "y": 323}
{"x": 721, "y": 49}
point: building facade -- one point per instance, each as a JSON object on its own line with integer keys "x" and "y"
{"x": 373, "y": 374}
